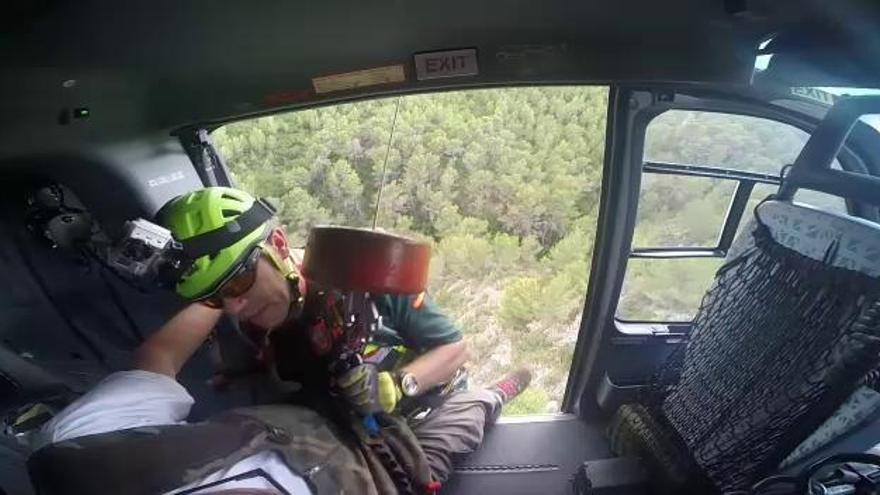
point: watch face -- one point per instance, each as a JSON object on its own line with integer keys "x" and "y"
{"x": 409, "y": 385}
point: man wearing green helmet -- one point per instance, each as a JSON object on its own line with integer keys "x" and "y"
{"x": 240, "y": 264}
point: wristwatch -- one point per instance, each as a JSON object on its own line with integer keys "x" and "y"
{"x": 409, "y": 385}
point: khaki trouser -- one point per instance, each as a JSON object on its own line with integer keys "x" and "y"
{"x": 456, "y": 428}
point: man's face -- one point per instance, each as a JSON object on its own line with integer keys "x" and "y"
{"x": 266, "y": 303}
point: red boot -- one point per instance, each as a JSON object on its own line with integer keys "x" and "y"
{"x": 512, "y": 385}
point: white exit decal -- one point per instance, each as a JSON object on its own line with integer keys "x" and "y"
{"x": 450, "y": 63}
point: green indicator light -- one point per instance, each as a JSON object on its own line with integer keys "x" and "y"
{"x": 81, "y": 113}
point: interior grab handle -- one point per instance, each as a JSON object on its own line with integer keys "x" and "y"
{"x": 812, "y": 168}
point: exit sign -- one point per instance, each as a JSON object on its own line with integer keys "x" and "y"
{"x": 450, "y": 63}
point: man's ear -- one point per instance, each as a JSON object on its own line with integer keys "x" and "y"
{"x": 278, "y": 240}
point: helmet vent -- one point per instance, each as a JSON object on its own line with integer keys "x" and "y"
{"x": 230, "y": 213}
{"x": 229, "y": 196}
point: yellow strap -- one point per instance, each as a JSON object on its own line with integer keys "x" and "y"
{"x": 389, "y": 392}
{"x": 286, "y": 266}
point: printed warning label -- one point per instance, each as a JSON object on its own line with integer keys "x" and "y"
{"x": 359, "y": 79}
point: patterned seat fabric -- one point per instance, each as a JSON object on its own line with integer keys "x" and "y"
{"x": 784, "y": 336}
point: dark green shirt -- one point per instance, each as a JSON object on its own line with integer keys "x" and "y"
{"x": 419, "y": 329}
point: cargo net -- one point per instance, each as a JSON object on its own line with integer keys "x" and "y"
{"x": 780, "y": 341}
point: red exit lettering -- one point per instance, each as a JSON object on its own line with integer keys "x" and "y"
{"x": 445, "y": 64}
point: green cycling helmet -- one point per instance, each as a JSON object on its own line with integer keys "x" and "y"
{"x": 218, "y": 228}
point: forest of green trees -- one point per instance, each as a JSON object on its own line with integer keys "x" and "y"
{"x": 505, "y": 185}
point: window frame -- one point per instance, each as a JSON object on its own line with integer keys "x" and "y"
{"x": 603, "y": 338}
{"x": 195, "y": 135}
{"x": 745, "y": 185}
